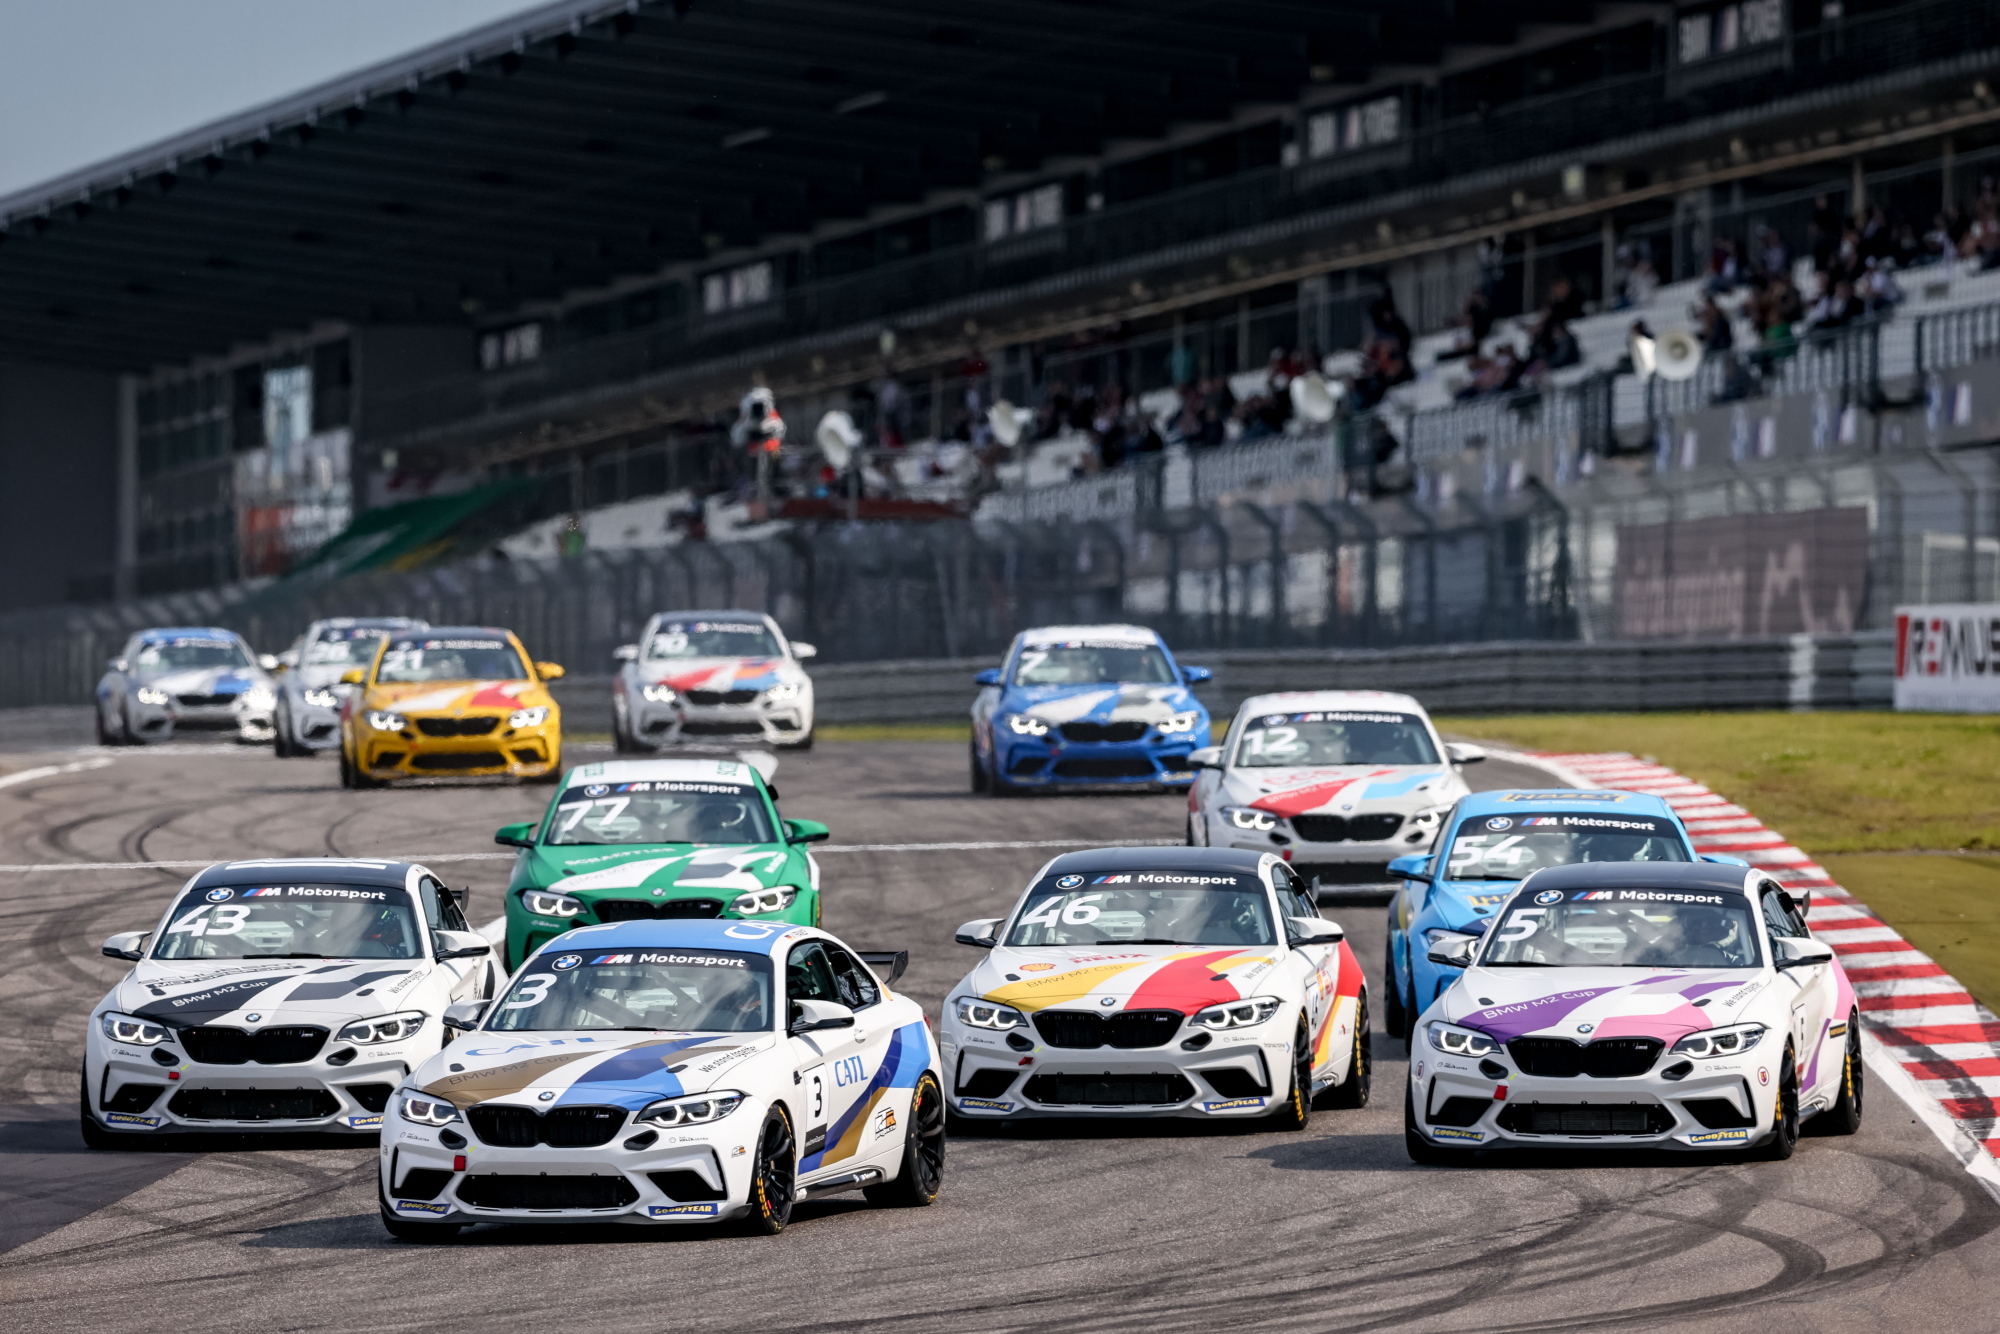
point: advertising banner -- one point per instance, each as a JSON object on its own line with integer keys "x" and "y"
{"x": 1743, "y": 576}
{"x": 1948, "y": 657}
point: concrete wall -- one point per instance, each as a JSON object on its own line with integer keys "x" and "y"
{"x": 58, "y": 504}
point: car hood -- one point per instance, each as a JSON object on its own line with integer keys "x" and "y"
{"x": 445, "y": 696}
{"x": 204, "y": 680}
{"x": 543, "y": 1070}
{"x": 1342, "y": 788}
{"x": 1615, "y": 1002}
{"x": 301, "y": 991}
{"x": 1102, "y": 703}
{"x": 685, "y": 674}
{"x": 662, "y": 870}
{"x": 1136, "y": 977}
{"x": 1467, "y": 904}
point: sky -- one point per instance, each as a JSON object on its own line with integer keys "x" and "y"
{"x": 85, "y": 80}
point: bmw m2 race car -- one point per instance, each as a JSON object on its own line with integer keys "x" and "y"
{"x": 1337, "y": 782}
{"x": 309, "y": 686}
{"x": 1671, "y": 1005}
{"x": 669, "y": 1073}
{"x": 195, "y": 678}
{"x": 457, "y": 700}
{"x": 1184, "y": 982}
{"x": 287, "y": 995}
{"x": 703, "y": 674}
{"x": 638, "y": 839}
{"x": 1086, "y": 706}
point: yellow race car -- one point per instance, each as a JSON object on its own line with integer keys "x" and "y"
{"x": 459, "y": 700}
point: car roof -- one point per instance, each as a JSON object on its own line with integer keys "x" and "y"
{"x": 1300, "y": 701}
{"x": 210, "y": 631}
{"x": 1055, "y": 634}
{"x": 1642, "y": 875}
{"x": 1157, "y": 859}
{"x": 337, "y": 870}
{"x": 734, "y": 613}
{"x": 446, "y": 631}
{"x": 1514, "y": 801}
{"x": 371, "y": 623}
{"x": 727, "y": 768}
{"x": 683, "y": 932}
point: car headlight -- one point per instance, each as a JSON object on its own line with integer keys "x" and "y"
{"x": 764, "y": 900}
{"x": 1020, "y": 724}
{"x": 547, "y": 903}
{"x": 259, "y": 697}
{"x": 425, "y": 1110}
{"x": 1238, "y": 1014}
{"x": 321, "y": 697}
{"x": 1439, "y": 935}
{"x": 131, "y": 1029}
{"x": 150, "y": 695}
{"x": 689, "y": 1111}
{"x": 980, "y": 1013}
{"x": 660, "y": 694}
{"x": 1460, "y": 1041}
{"x": 529, "y": 717}
{"x": 384, "y": 721}
{"x": 389, "y": 1028}
{"x": 1180, "y": 722}
{"x": 1249, "y": 817}
{"x": 1427, "y": 819}
{"x": 1731, "y": 1041}
{"x": 782, "y": 691}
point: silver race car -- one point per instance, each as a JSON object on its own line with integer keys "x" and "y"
{"x": 185, "y": 678}
{"x": 309, "y": 689}
{"x": 696, "y": 675}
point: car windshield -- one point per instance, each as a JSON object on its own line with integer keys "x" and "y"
{"x": 185, "y": 652}
{"x": 1624, "y": 928}
{"x": 318, "y": 921}
{"x": 1281, "y": 740}
{"x": 353, "y": 647}
{"x": 1093, "y": 662}
{"x": 415, "y": 660}
{"x": 1509, "y": 847}
{"x": 682, "y": 990}
{"x": 712, "y": 639}
{"x": 660, "y": 812}
{"x": 1146, "y": 907}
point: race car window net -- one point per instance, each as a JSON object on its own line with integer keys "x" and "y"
{"x": 416, "y": 660}
{"x": 315, "y": 921}
{"x": 712, "y": 639}
{"x": 1281, "y": 740}
{"x": 179, "y": 655}
{"x": 660, "y": 812}
{"x": 1083, "y": 662}
{"x": 344, "y": 648}
{"x": 1509, "y": 847}
{"x": 1145, "y": 907}
{"x": 1624, "y": 928}
{"x": 681, "y": 990}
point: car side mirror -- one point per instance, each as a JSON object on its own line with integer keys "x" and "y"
{"x": 805, "y": 831}
{"x": 1313, "y": 931}
{"x": 464, "y": 1015}
{"x": 268, "y": 661}
{"x": 1207, "y": 757}
{"x": 515, "y": 835}
{"x": 989, "y": 677}
{"x": 804, "y": 651}
{"x": 1461, "y": 753}
{"x": 1799, "y": 952}
{"x": 888, "y": 964}
{"x": 1723, "y": 859}
{"x": 549, "y": 671}
{"x": 119, "y": 665}
{"x": 126, "y": 945}
{"x": 810, "y": 1016}
{"x": 1194, "y": 676}
{"x": 1455, "y": 952}
{"x": 626, "y": 653}
{"x": 980, "y": 933}
{"x": 1414, "y": 866}
{"x": 353, "y": 676}
{"x": 459, "y": 945}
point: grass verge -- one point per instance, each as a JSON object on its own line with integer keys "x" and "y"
{"x": 1947, "y": 906}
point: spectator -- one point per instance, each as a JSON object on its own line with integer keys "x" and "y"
{"x": 1639, "y": 280}
{"x": 1771, "y": 260}
{"x": 1837, "y": 306}
{"x": 1552, "y": 346}
{"x": 1723, "y": 268}
{"x": 1565, "y": 301}
{"x": 1878, "y": 290}
{"x": 1388, "y": 324}
{"x": 1475, "y": 326}
{"x": 1824, "y": 232}
{"x": 1717, "y": 334}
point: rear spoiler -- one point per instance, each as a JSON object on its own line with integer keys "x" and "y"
{"x": 888, "y": 964}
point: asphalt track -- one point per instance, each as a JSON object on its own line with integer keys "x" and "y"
{"x": 1055, "y": 1226}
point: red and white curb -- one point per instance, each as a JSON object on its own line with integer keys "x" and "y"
{"x": 1922, "y": 1034}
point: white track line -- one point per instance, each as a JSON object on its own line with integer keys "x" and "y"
{"x": 50, "y": 771}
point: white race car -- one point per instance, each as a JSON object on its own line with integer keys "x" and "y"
{"x": 1671, "y": 1005}
{"x": 1337, "y": 782}
{"x": 701, "y": 674}
{"x": 278, "y": 995}
{"x": 1159, "y": 982}
{"x": 671, "y": 1071}
{"x": 184, "y": 679}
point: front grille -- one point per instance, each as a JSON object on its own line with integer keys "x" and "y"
{"x": 1717, "y": 1114}
{"x": 373, "y": 1097}
{"x": 988, "y": 1083}
{"x": 461, "y": 759}
{"x": 1341, "y": 829}
{"x": 1108, "y": 1090}
{"x": 267, "y": 1046}
{"x": 1345, "y": 873}
{"x": 1236, "y": 1083}
{"x": 1123, "y": 733}
{"x": 1607, "y": 1058}
{"x": 133, "y": 1097}
{"x": 198, "y": 1104}
{"x": 745, "y": 727}
{"x": 712, "y": 697}
{"x": 511, "y": 1127}
{"x": 204, "y": 701}
{"x": 456, "y": 726}
{"x": 507, "y": 1190}
{"x": 423, "y": 1183}
{"x": 645, "y": 910}
{"x": 1585, "y": 1118}
{"x": 1460, "y": 1111}
{"x": 1133, "y": 1028}
{"x": 1135, "y": 767}
{"x": 685, "y": 1187}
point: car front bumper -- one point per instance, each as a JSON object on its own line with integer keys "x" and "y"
{"x": 1240, "y": 1074}
{"x": 781, "y": 723}
{"x": 528, "y": 752}
{"x": 1030, "y": 761}
{"x": 313, "y": 727}
{"x": 132, "y": 1091}
{"x": 161, "y": 720}
{"x": 535, "y": 931}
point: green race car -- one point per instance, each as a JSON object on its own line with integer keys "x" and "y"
{"x": 640, "y": 839}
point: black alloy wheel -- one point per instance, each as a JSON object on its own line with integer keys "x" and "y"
{"x": 980, "y": 781}
{"x": 1844, "y": 1116}
{"x": 408, "y": 1229}
{"x": 774, "y": 1183}
{"x": 281, "y": 742}
{"x": 1784, "y": 1113}
{"x": 1353, "y": 1091}
{"x": 922, "y": 1174}
{"x": 1295, "y": 1112}
{"x": 1393, "y": 1017}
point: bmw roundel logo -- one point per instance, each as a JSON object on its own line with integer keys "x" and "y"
{"x": 221, "y": 895}
{"x": 1068, "y": 881}
{"x": 1585, "y": 1028}
{"x": 596, "y": 790}
{"x": 564, "y": 962}
{"x": 1275, "y": 720}
{"x": 546, "y": 1097}
{"x": 1549, "y": 896}
{"x": 1499, "y": 822}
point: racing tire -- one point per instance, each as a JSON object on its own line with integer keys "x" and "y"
{"x": 1844, "y": 1117}
{"x": 1420, "y": 1149}
{"x": 803, "y": 743}
{"x": 103, "y": 736}
{"x": 981, "y": 781}
{"x": 281, "y": 744}
{"x": 1784, "y": 1138}
{"x": 1395, "y": 1016}
{"x": 352, "y": 778}
{"x": 1353, "y": 1091}
{"x": 774, "y": 1180}
{"x": 922, "y": 1174}
{"x": 1295, "y": 1112}
{"x": 1194, "y": 836}
{"x": 95, "y": 1136}
{"x": 405, "y": 1229}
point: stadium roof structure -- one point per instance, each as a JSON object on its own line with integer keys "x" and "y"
{"x": 584, "y": 142}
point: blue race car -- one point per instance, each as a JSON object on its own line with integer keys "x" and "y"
{"x": 1489, "y": 843}
{"x": 1086, "y": 706}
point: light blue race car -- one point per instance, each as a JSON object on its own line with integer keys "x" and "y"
{"x": 1489, "y": 843}
{"x": 1086, "y": 706}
